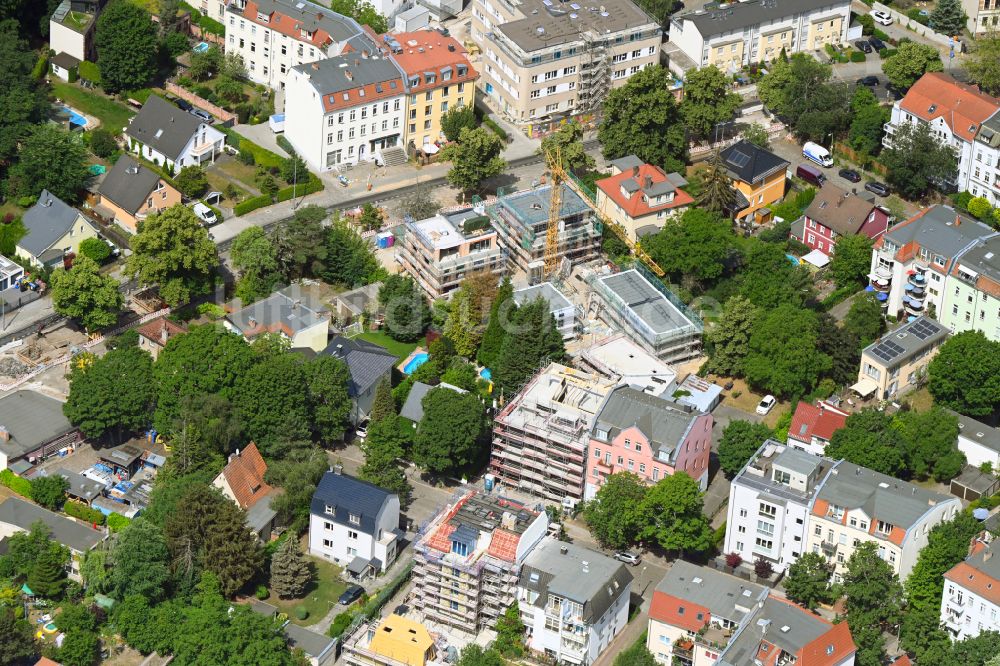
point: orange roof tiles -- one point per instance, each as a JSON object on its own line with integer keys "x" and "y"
{"x": 430, "y": 51}
{"x": 902, "y": 661}
{"x": 636, "y": 205}
{"x": 820, "y": 507}
{"x": 440, "y": 539}
{"x": 819, "y": 421}
{"x": 963, "y": 107}
{"x": 815, "y": 653}
{"x": 244, "y": 474}
{"x": 288, "y": 25}
{"x": 666, "y": 608}
{"x": 503, "y": 545}
{"x": 975, "y": 581}
{"x": 160, "y": 330}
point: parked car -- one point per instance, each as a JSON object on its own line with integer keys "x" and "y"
{"x": 182, "y": 104}
{"x": 361, "y": 431}
{"x": 876, "y": 43}
{"x": 351, "y": 594}
{"x": 882, "y": 18}
{"x": 766, "y": 405}
{"x": 205, "y": 214}
{"x": 627, "y": 558}
{"x": 204, "y": 115}
{"x": 877, "y": 188}
{"x": 851, "y": 175}
{"x": 871, "y": 81}
{"x": 863, "y": 46}
{"x": 810, "y": 174}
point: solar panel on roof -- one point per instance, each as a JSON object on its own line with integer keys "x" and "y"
{"x": 738, "y": 159}
{"x": 887, "y": 350}
{"x": 923, "y": 329}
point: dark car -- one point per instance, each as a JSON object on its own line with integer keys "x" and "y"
{"x": 876, "y": 43}
{"x": 182, "y": 104}
{"x": 871, "y": 81}
{"x": 851, "y": 175}
{"x": 877, "y": 188}
{"x": 351, "y": 594}
{"x": 863, "y": 46}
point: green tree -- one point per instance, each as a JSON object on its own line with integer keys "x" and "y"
{"x": 23, "y": 103}
{"x": 930, "y": 448}
{"x": 95, "y": 249}
{"x": 868, "y": 439}
{"x": 302, "y": 244}
{"x": 139, "y": 562}
{"x": 983, "y": 65}
{"x": 808, "y": 580}
{"x": 470, "y": 307}
{"x": 16, "y": 641}
{"x": 501, "y": 309}
{"x": 729, "y": 340}
{"x": 174, "y": 251}
{"x": 294, "y": 170}
{"x": 191, "y": 181}
{"x": 851, "y": 260}
{"x": 636, "y": 655}
{"x": 532, "y": 342}
{"x": 383, "y": 406}
{"x": 113, "y": 396}
{"x": 676, "y": 523}
{"x": 383, "y": 449}
{"x": 85, "y": 294}
{"x": 364, "y": 12}
{"x": 327, "y": 379}
{"x": 453, "y": 121}
{"x": 420, "y": 205}
{"x": 757, "y": 134}
{"x": 864, "y": 320}
{"x": 52, "y": 159}
{"x": 298, "y": 473}
{"x": 474, "y": 655}
{"x": 641, "y": 118}
{"x": 768, "y": 279}
{"x": 80, "y": 648}
{"x": 273, "y": 401}
{"x": 799, "y": 90}
{"x": 917, "y": 160}
{"x": 911, "y": 61}
{"x": 965, "y": 375}
{"x": 205, "y": 63}
{"x": 867, "y": 120}
{"x": 204, "y": 362}
{"x": 874, "y": 600}
{"x": 291, "y": 574}
{"x": 102, "y": 142}
{"x": 49, "y": 491}
{"x": 350, "y": 260}
{"x": 717, "y": 195}
{"x": 567, "y": 143}
{"x": 474, "y": 158}
{"x": 127, "y": 46}
{"x": 406, "y": 311}
{"x": 708, "y": 100}
{"x": 948, "y": 17}
{"x": 784, "y": 357}
{"x": 46, "y": 577}
{"x": 371, "y": 218}
{"x": 255, "y": 257}
{"x": 740, "y": 440}
{"x": 510, "y": 632}
{"x": 450, "y": 435}
{"x": 617, "y": 514}
{"x": 231, "y": 90}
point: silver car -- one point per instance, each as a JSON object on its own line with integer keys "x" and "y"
{"x": 627, "y": 558}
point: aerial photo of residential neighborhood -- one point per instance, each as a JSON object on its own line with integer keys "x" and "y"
{"x": 499, "y": 332}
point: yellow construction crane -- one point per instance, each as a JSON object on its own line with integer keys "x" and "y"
{"x": 559, "y": 176}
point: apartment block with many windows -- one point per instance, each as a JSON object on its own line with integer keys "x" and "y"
{"x": 544, "y": 62}
{"x": 970, "y": 603}
{"x": 972, "y": 291}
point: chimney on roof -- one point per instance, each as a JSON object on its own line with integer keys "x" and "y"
{"x": 648, "y": 182}
{"x": 315, "y": 66}
{"x": 958, "y": 220}
{"x": 4, "y": 434}
{"x": 319, "y": 16}
{"x": 635, "y": 172}
{"x": 357, "y": 63}
{"x": 163, "y": 333}
{"x": 347, "y": 73}
{"x": 337, "y": 469}
{"x": 987, "y": 555}
{"x": 364, "y": 54}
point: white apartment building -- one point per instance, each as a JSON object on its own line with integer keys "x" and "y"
{"x": 769, "y": 504}
{"x": 956, "y": 113}
{"x": 854, "y": 505}
{"x": 979, "y": 442}
{"x": 982, "y": 16}
{"x": 971, "y": 600}
{"x": 273, "y": 36}
{"x": 344, "y": 110}
{"x": 544, "y": 61}
{"x": 731, "y": 35}
{"x": 573, "y": 601}
{"x": 911, "y": 262}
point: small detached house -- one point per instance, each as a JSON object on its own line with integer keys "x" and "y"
{"x": 55, "y": 229}
{"x": 64, "y": 66}
{"x": 354, "y": 523}
{"x": 813, "y": 426}
{"x": 368, "y": 364}
{"x": 289, "y": 313}
{"x": 758, "y": 177}
{"x": 242, "y": 481}
{"x": 835, "y": 213}
{"x": 130, "y": 192}
{"x": 163, "y": 134}
{"x": 641, "y": 197}
{"x": 18, "y": 515}
{"x": 154, "y": 335}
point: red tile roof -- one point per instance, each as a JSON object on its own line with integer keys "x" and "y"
{"x": 245, "y": 476}
{"x": 636, "y": 205}
{"x": 975, "y": 581}
{"x": 288, "y": 25}
{"x": 429, "y": 51}
{"x": 155, "y": 330}
{"x": 666, "y": 608}
{"x": 963, "y": 107}
{"x": 902, "y": 661}
{"x": 503, "y": 545}
{"x": 820, "y": 420}
{"x": 818, "y": 653}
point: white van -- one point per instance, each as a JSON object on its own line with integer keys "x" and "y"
{"x": 817, "y": 153}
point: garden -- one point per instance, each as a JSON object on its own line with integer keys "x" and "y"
{"x": 320, "y": 596}
{"x": 222, "y": 80}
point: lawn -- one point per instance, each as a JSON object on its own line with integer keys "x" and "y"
{"x": 400, "y": 349}
{"x": 320, "y": 598}
{"x": 113, "y": 115}
{"x": 77, "y": 20}
{"x": 243, "y": 175}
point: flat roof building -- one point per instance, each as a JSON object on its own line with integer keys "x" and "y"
{"x": 895, "y": 363}
{"x": 649, "y": 313}
{"x": 32, "y": 428}
{"x": 619, "y": 359}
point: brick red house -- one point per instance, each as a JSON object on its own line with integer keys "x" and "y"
{"x": 834, "y": 213}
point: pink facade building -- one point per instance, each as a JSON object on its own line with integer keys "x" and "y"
{"x": 648, "y": 436}
{"x": 835, "y": 213}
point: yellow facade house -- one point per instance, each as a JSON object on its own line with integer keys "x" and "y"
{"x": 55, "y": 229}
{"x": 758, "y": 176}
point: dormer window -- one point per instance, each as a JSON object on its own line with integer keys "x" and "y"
{"x": 932, "y": 108}
{"x": 354, "y": 519}
{"x": 329, "y": 510}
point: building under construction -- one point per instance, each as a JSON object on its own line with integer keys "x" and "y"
{"x": 540, "y": 437}
{"x": 522, "y": 220}
{"x": 468, "y": 557}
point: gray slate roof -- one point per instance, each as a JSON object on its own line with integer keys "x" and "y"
{"x": 32, "y": 419}
{"x": 413, "y": 408}
{"x": 627, "y": 163}
{"x": 978, "y": 432}
{"x": 312, "y": 16}
{"x": 367, "y": 362}
{"x": 984, "y": 259}
{"x": 547, "y": 570}
{"x": 285, "y": 309}
{"x": 312, "y": 643}
{"x": 163, "y": 127}
{"x": 47, "y": 221}
{"x": 719, "y": 592}
{"x": 936, "y": 230}
{"x": 328, "y": 77}
{"x": 663, "y": 422}
{"x": 880, "y": 496}
{"x": 740, "y": 15}
{"x": 80, "y": 486}
{"x": 75, "y": 536}
{"x": 349, "y": 495}
{"x": 128, "y": 184}
{"x": 802, "y": 629}
{"x": 751, "y": 163}
{"x": 906, "y": 341}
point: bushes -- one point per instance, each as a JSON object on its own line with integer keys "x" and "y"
{"x": 857, "y": 56}
{"x": 20, "y": 486}
{"x": 102, "y": 142}
{"x": 261, "y": 155}
{"x": 285, "y": 144}
{"x": 251, "y": 204}
{"x": 314, "y": 184}
{"x": 41, "y": 67}
{"x": 95, "y": 249}
{"x": 83, "y": 512}
{"x": 499, "y": 131}
{"x": 117, "y": 522}
{"x": 90, "y": 72}
{"x": 340, "y": 624}
{"x": 301, "y": 612}
{"x": 885, "y": 54}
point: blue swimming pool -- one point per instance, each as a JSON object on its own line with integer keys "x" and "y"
{"x": 792, "y": 258}
{"x": 74, "y": 116}
{"x": 201, "y": 47}
{"x": 415, "y": 362}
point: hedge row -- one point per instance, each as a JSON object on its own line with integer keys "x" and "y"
{"x": 206, "y": 23}
{"x": 41, "y": 67}
{"x": 253, "y": 203}
{"x": 83, "y": 512}
{"x": 20, "y": 486}
{"x": 261, "y": 155}
{"x": 285, "y": 144}
{"x": 499, "y": 131}
{"x": 314, "y": 184}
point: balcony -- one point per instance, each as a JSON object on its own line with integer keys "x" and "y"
{"x": 913, "y": 306}
{"x": 829, "y": 548}
{"x": 683, "y": 649}
{"x": 917, "y": 279}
